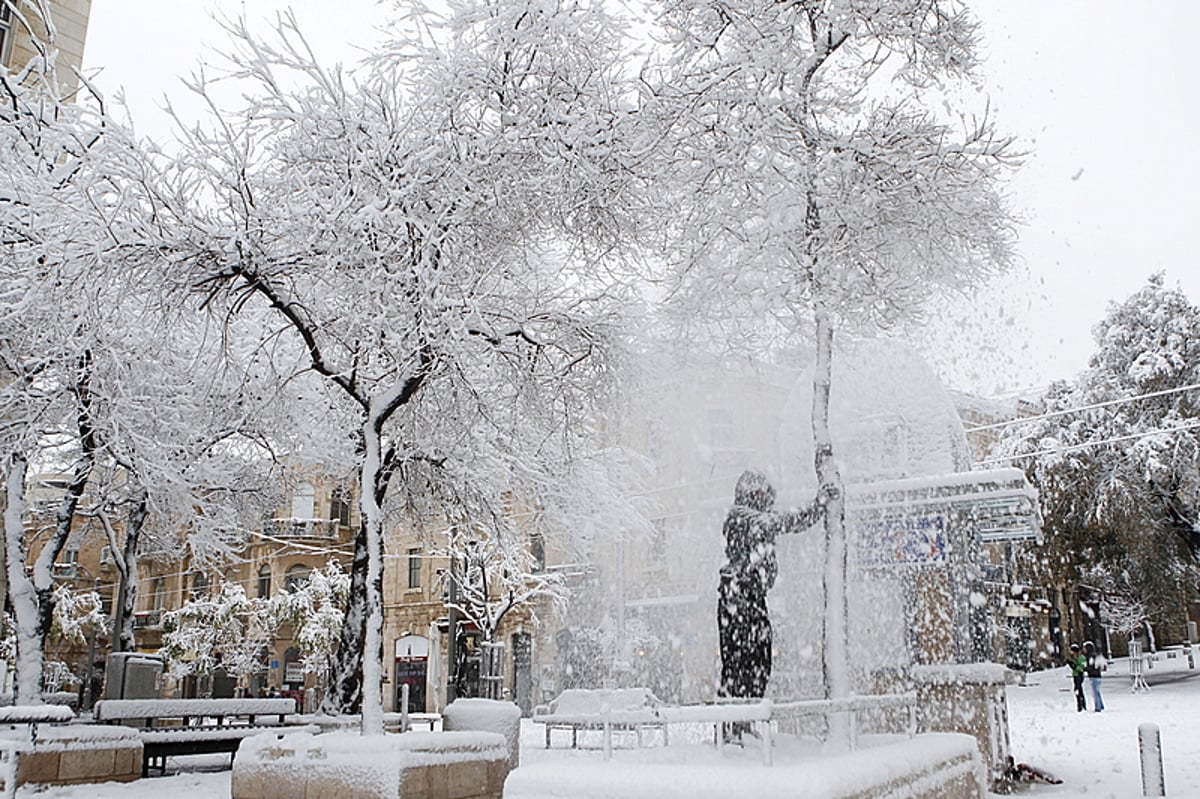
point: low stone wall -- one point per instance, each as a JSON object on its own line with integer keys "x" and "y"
{"x": 938, "y": 766}
{"x": 970, "y": 699}
{"x": 956, "y": 775}
{"x": 67, "y": 755}
{"x": 347, "y": 765}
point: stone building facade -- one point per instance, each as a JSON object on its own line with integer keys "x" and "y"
{"x": 70, "y": 20}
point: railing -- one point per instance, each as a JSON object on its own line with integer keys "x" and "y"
{"x": 303, "y": 528}
{"x": 147, "y": 618}
{"x": 762, "y": 714}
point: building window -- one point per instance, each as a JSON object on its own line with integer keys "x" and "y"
{"x": 68, "y": 563}
{"x": 304, "y": 501}
{"x": 414, "y": 568}
{"x": 157, "y": 593}
{"x": 264, "y": 582}
{"x": 5, "y": 32}
{"x": 296, "y": 578}
{"x": 199, "y": 585}
{"x": 537, "y": 550}
{"x": 339, "y": 506}
{"x": 658, "y": 538}
{"x": 720, "y": 428}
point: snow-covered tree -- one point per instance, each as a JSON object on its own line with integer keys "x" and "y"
{"x": 59, "y": 206}
{"x": 434, "y": 237}
{"x": 184, "y": 441}
{"x": 315, "y": 612}
{"x": 148, "y": 428}
{"x": 227, "y": 630}
{"x": 1117, "y": 459}
{"x": 830, "y": 181}
{"x": 492, "y": 576}
{"x": 77, "y": 613}
{"x": 232, "y": 631}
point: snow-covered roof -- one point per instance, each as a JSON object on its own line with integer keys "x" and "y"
{"x": 1001, "y": 503}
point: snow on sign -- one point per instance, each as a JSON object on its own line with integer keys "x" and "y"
{"x": 917, "y": 540}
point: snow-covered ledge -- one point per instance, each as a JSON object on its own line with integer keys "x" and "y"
{"x": 79, "y": 753}
{"x": 487, "y": 715}
{"x": 413, "y": 765}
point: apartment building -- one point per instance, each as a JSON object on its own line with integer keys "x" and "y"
{"x": 315, "y": 524}
{"x": 18, "y": 33}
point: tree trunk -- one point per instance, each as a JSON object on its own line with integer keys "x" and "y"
{"x": 345, "y": 677}
{"x": 834, "y": 662}
{"x": 372, "y": 652}
{"x": 21, "y": 592}
{"x": 125, "y": 601}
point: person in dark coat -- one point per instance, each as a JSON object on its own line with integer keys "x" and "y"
{"x": 747, "y": 575}
{"x": 1093, "y": 665}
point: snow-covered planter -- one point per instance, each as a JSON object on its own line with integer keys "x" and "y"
{"x": 487, "y": 715}
{"x": 79, "y": 753}
{"x": 348, "y": 765}
{"x": 968, "y": 698}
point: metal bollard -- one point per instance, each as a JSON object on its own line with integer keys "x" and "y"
{"x": 1150, "y": 749}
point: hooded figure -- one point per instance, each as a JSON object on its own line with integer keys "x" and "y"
{"x": 748, "y": 573}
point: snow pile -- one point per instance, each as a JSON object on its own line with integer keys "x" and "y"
{"x": 22, "y": 714}
{"x": 373, "y": 765}
{"x": 489, "y": 716}
{"x": 409, "y": 749}
{"x": 121, "y": 709}
{"x": 75, "y": 737}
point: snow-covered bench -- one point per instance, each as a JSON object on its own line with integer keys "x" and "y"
{"x": 170, "y": 727}
{"x": 593, "y": 709}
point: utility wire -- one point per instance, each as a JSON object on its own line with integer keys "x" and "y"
{"x": 1105, "y": 404}
{"x": 1087, "y": 444}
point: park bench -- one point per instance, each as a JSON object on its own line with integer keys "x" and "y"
{"x": 578, "y": 709}
{"x": 171, "y": 727}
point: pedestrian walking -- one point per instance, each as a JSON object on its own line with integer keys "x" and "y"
{"x": 1093, "y": 665}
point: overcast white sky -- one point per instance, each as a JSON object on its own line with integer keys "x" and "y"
{"x": 1100, "y": 92}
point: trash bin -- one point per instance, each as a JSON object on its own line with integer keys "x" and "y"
{"x": 133, "y": 675}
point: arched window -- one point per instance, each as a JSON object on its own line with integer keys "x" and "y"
{"x": 296, "y": 578}
{"x": 264, "y": 582}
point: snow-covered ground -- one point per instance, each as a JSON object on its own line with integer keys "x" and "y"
{"x": 1095, "y": 754}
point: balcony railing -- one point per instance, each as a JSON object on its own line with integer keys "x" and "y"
{"x": 147, "y": 618}
{"x": 303, "y": 528}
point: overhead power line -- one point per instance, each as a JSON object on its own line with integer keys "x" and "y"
{"x": 1087, "y": 444}
{"x": 1107, "y": 403}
